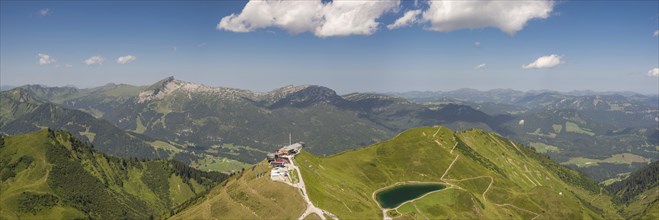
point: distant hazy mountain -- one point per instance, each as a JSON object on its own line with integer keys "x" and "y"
{"x": 530, "y": 99}
{"x": 6, "y": 87}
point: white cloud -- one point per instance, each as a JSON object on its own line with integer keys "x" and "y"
{"x": 480, "y": 66}
{"x": 508, "y": 16}
{"x": 68, "y": 65}
{"x": 477, "y": 44}
{"x": 521, "y": 122}
{"x": 654, "y": 72}
{"x": 548, "y": 61}
{"x": 45, "y": 59}
{"x": 410, "y": 17}
{"x": 126, "y": 59}
{"x": 95, "y": 60}
{"x": 44, "y": 12}
{"x": 336, "y": 18}
{"x": 656, "y": 33}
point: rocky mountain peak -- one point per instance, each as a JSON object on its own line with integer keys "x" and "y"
{"x": 300, "y": 96}
{"x": 169, "y": 86}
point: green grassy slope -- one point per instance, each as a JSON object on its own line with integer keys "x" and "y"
{"x": 490, "y": 177}
{"x": 644, "y": 206}
{"x": 51, "y": 174}
{"x": 639, "y": 192}
{"x": 244, "y": 196}
{"x": 21, "y": 112}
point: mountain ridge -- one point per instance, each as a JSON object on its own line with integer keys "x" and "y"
{"x": 52, "y": 174}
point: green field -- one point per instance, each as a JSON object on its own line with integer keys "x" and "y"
{"x": 574, "y": 128}
{"x": 544, "y": 148}
{"x": 625, "y": 158}
{"x": 557, "y": 128}
{"x": 210, "y": 163}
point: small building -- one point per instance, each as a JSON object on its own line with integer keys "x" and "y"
{"x": 282, "y": 151}
{"x": 271, "y": 157}
{"x": 293, "y": 148}
{"x": 280, "y": 162}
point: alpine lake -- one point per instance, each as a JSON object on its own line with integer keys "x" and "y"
{"x": 394, "y": 196}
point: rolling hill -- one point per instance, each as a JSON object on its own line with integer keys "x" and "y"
{"x": 52, "y": 174}
{"x": 486, "y": 176}
{"x": 604, "y": 134}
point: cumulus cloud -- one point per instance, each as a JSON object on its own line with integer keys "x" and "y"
{"x": 508, "y": 16}
{"x": 548, "y": 61}
{"x": 336, "y": 18}
{"x": 410, "y": 17}
{"x": 480, "y": 66}
{"x": 477, "y": 44}
{"x": 44, "y": 12}
{"x": 654, "y": 72}
{"x": 95, "y": 60}
{"x": 126, "y": 59}
{"x": 45, "y": 59}
{"x": 656, "y": 33}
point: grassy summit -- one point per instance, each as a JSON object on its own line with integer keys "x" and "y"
{"x": 487, "y": 177}
{"x": 244, "y": 196}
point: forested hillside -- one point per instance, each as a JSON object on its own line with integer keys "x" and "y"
{"x": 52, "y": 174}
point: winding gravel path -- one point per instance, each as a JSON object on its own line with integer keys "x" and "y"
{"x": 311, "y": 208}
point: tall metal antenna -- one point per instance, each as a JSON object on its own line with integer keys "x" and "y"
{"x": 290, "y": 140}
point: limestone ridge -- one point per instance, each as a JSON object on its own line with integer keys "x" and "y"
{"x": 299, "y": 96}
{"x": 169, "y": 86}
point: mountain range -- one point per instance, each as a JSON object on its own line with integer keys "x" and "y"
{"x": 215, "y": 128}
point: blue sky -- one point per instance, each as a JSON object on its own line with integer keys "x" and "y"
{"x": 598, "y": 45}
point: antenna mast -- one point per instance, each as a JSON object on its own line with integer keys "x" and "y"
{"x": 290, "y": 140}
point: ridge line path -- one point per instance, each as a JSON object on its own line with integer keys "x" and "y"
{"x": 486, "y": 190}
{"x": 311, "y": 208}
{"x": 477, "y": 177}
{"x": 455, "y": 145}
{"x": 433, "y": 135}
{"x": 449, "y": 167}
